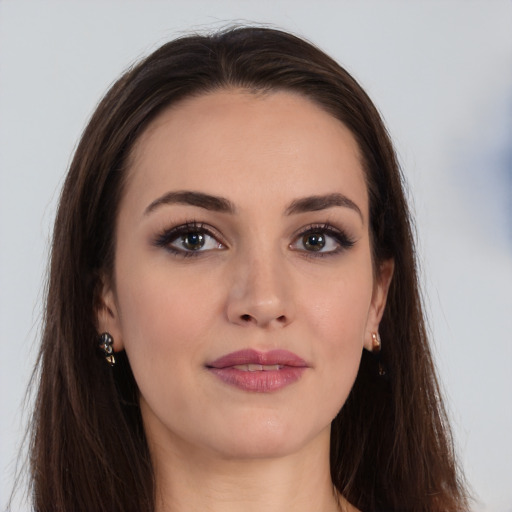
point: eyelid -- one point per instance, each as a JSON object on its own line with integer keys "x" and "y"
{"x": 343, "y": 240}
{"x": 167, "y": 236}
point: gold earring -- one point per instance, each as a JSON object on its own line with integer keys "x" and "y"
{"x": 376, "y": 343}
{"x": 105, "y": 343}
{"x": 376, "y": 348}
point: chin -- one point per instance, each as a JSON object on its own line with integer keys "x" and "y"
{"x": 271, "y": 439}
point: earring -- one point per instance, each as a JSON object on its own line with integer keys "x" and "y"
{"x": 105, "y": 343}
{"x": 376, "y": 343}
{"x": 376, "y": 348}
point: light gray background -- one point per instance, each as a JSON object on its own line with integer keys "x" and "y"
{"x": 441, "y": 74}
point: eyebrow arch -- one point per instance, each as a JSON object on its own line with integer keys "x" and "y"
{"x": 316, "y": 203}
{"x": 223, "y": 205}
{"x": 206, "y": 201}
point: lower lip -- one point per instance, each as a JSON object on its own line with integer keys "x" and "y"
{"x": 259, "y": 381}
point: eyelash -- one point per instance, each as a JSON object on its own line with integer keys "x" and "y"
{"x": 168, "y": 236}
{"x": 343, "y": 240}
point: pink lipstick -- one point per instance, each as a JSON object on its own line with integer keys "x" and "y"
{"x": 261, "y": 372}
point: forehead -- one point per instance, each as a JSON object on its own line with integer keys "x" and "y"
{"x": 236, "y": 142}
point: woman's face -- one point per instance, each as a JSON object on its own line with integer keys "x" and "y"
{"x": 243, "y": 290}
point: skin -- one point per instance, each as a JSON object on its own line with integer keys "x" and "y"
{"x": 254, "y": 284}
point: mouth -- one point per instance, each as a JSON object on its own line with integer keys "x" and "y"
{"x": 258, "y": 367}
{"x": 261, "y": 372}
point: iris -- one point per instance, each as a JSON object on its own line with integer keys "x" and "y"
{"x": 314, "y": 241}
{"x": 193, "y": 241}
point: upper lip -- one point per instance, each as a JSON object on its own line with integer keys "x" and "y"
{"x": 250, "y": 356}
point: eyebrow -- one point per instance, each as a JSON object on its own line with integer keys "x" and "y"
{"x": 223, "y": 205}
{"x": 316, "y": 203}
{"x": 206, "y": 201}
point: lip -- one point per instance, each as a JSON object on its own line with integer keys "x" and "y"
{"x": 262, "y": 372}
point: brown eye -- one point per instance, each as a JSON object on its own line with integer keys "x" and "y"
{"x": 313, "y": 241}
{"x": 189, "y": 239}
{"x": 193, "y": 241}
{"x": 324, "y": 240}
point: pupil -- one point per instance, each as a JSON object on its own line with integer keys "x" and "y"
{"x": 314, "y": 242}
{"x": 193, "y": 241}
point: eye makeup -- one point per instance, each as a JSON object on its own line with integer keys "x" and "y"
{"x": 190, "y": 239}
{"x": 320, "y": 240}
{"x": 194, "y": 239}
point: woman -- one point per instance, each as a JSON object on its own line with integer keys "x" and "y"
{"x": 233, "y": 236}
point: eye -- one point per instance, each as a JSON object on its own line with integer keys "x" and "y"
{"x": 195, "y": 241}
{"x": 317, "y": 242}
{"x": 322, "y": 240}
{"x": 189, "y": 239}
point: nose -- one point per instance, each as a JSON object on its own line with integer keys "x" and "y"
{"x": 260, "y": 294}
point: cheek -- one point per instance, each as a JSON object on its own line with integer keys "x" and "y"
{"x": 339, "y": 309}
{"x": 164, "y": 313}
{"x": 166, "y": 320}
{"x": 337, "y": 315}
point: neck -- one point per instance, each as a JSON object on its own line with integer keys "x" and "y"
{"x": 192, "y": 480}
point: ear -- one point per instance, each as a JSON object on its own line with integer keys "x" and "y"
{"x": 107, "y": 313}
{"x": 378, "y": 304}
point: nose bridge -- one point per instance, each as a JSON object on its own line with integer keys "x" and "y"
{"x": 260, "y": 292}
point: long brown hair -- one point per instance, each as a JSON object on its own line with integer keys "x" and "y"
{"x": 391, "y": 447}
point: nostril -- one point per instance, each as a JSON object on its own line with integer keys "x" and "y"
{"x": 262, "y": 320}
